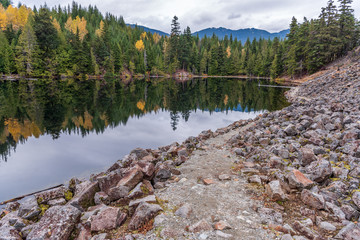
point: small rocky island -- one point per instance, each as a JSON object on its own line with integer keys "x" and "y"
{"x": 289, "y": 174}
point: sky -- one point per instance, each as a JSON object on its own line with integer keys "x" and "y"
{"x": 270, "y": 15}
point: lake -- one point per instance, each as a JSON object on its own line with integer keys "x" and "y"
{"x": 51, "y": 131}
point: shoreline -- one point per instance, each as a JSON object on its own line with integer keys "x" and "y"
{"x": 303, "y": 160}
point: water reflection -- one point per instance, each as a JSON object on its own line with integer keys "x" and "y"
{"x": 97, "y": 122}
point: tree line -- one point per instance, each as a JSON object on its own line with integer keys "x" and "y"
{"x": 80, "y": 41}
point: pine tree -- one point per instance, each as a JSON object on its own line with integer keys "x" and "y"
{"x": 27, "y": 52}
{"x": 347, "y": 26}
{"x": 4, "y": 54}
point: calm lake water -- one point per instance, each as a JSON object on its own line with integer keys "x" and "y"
{"x": 51, "y": 131}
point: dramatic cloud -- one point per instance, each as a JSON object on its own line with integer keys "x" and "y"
{"x": 271, "y": 15}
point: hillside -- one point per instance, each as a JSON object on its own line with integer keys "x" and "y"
{"x": 151, "y": 30}
{"x": 241, "y": 34}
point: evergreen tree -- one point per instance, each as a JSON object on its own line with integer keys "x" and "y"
{"x": 347, "y": 26}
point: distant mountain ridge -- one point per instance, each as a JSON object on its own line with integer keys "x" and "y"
{"x": 146, "y": 29}
{"x": 241, "y": 34}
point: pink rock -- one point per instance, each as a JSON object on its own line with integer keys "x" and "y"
{"x": 143, "y": 213}
{"x": 131, "y": 178}
{"x": 298, "y": 180}
{"x": 107, "y": 219}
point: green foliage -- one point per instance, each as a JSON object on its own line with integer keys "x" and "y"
{"x": 104, "y": 45}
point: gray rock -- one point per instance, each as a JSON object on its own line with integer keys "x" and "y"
{"x": 162, "y": 175}
{"x": 319, "y": 171}
{"x": 223, "y": 235}
{"x": 356, "y": 198}
{"x": 307, "y": 156}
{"x": 109, "y": 180}
{"x": 85, "y": 198}
{"x": 7, "y": 230}
{"x": 275, "y": 191}
{"x": 101, "y": 197}
{"x": 350, "y": 212}
{"x": 254, "y": 179}
{"x": 57, "y": 223}
{"x": 56, "y": 202}
{"x": 143, "y": 213}
{"x": 131, "y": 178}
{"x": 44, "y": 197}
{"x": 184, "y": 211}
{"x": 147, "y": 199}
{"x": 290, "y": 130}
{"x": 313, "y": 199}
{"x": 327, "y": 226}
{"x": 118, "y": 192}
{"x": 101, "y": 236}
{"x": 298, "y": 180}
{"x": 349, "y": 232}
{"x": 29, "y": 209}
{"x": 335, "y": 210}
{"x": 286, "y": 237}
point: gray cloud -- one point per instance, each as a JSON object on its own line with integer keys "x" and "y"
{"x": 234, "y": 16}
{"x": 271, "y": 15}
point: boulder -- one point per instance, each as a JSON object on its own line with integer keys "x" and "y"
{"x": 275, "y": 191}
{"x": 307, "y": 156}
{"x": 131, "y": 178}
{"x": 319, "y": 171}
{"x": 118, "y": 192}
{"x": 349, "y": 232}
{"x": 142, "y": 189}
{"x": 162, "y": 175}
{"x": 313, "y": 199}
{"x": 44, "y": 197}
{"x": 356, "y": 198}
{"x": 85, "y": 198}
{"x": 147, "y": 199}
{"x": 57, "y": 223}
{"x": 107, "y": 219}
{"x": 109, "y": 180}
{"x": 147, "y": 168}
{"x": 29, "y": 209}
{"x": 298, "y": 180}
{"x": 290, "y": 130}
{"x": 143, "y": 213}
{"x": 101, "y": 197}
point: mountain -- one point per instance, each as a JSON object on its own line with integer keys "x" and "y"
{"x": 146, "y": 29}
{"x": 241, "y": 34}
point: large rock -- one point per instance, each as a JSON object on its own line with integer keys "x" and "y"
{"x": 319, "y": 171}
{"x": 8, "y": 227}
{"x": 356, "y": 198}
{"x": 162, "y": 175}
{"x": 142, "y": 189}
{"x": 290, "y": 130}
{"x": 44, "y": 197}
{"x": 147, "y": 168}
{"x": 118, "y": 192}
{"x": 57, "y": 223}
{"x": 313, "y": 199}
{"x": 147, "y": 199}
{"x": 307, "y": 156}
{"x": 29, "y": 209}
{"x": 298, "y": 180}
{"x": 85, "y": 198}
{"x": 131, "y": 178}
{"x": 107, "y": 219}
{"x": 275, "y": 191}
{"x": 349, "y": 232}
{"x": 144, "y": 212}
{"x": 109, "y": 180}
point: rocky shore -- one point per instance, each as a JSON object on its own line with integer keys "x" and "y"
{"x": 289, "y": 174}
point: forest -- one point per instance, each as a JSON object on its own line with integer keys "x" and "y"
{"x": 77, "y": 41}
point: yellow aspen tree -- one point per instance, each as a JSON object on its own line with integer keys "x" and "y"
{"x": 99, "y": 32}
{"x": 156, "y": 38}
{"x": 77, "y": 24}
{"x": 22, "y": 16}
{"x": 3, "y": 18}
{"x": 140, "y": 45}
{"x": 56, "y": 25}
{"x": 11, "y": 15}
{"x": 143, "y": 36}
{"x": 228, "y": 51}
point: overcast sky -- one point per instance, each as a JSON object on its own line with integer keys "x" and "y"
{"x": 271, "y": 15}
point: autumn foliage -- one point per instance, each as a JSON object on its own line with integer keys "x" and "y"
{"x": 77, "y": 25}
